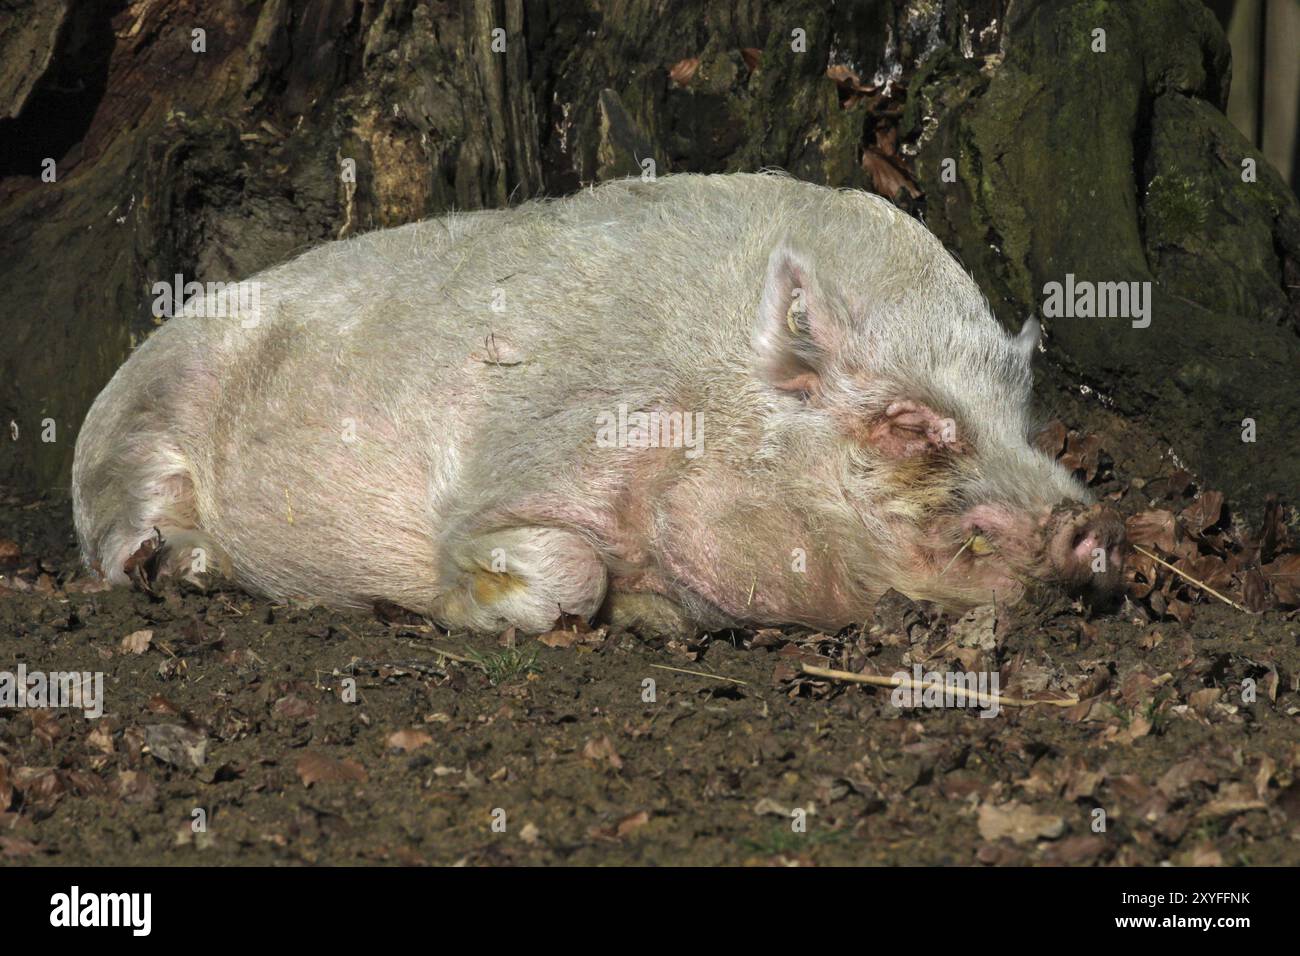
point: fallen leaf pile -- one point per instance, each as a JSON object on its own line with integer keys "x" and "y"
{"x": 903, "y": 634}
{"x": 1198, "y": 541}
{"x": 1193, "y": 530}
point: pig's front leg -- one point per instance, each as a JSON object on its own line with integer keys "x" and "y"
{"x": 520, "y": 577}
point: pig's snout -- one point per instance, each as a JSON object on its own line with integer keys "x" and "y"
{"x": 1086, "y": 550}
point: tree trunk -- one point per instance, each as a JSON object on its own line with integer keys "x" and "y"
{"x": 214, "y": 154}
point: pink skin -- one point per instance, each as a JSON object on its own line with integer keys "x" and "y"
{"x": 1060, "y": 541}
{"x": 686, "y": 547}
{"x": 910, "y": 428}
{"x": 1077, "y": 533}
{"x": 1014, "y": 535}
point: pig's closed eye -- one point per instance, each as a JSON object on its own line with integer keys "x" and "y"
{"x": 908, "y": 428}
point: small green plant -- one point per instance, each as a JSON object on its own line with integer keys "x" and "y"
{"x": 782, "y": 840}
{"x": 1156, "y": 713}
{"x": 1209, "y": 831}
{"x": 507, "y": 664}
{"x": 1123, "y": 715}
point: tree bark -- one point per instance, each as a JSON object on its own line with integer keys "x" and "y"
{"x": 1112, "y": 166}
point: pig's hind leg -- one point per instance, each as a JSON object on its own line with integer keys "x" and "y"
{"x": 521, "y": 577}
{"x": 138, "y": 519}
{"x": 133, "y": 494}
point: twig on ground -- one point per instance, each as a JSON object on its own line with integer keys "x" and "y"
{"x": 1187, "y": 577}
{"x": 876, "y": 681}
{"x": 682, "y": 670}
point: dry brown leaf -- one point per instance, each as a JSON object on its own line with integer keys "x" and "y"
{"x": 314, "y": 767}
{"x": 1274, "y": 536}
{"x": 1232, "y": 798}
{"x": 1203, "y": 513}
{"x": 886, "y": 178}
{"x": 101, "y": 738}
{"x": 631, "y": 823}
{"x": 1182, "y": 775}
{"x": 1209, "y": 569}
{"x": 601, "y": 749}
{"x": 1203, "y": 854}
{"x": 177, "y": 745}
{"x": 1180, "y": 611}
{"x": 1137, "y": 728}
{"x": 13, "y": 846}
{"x": 683, "y": 71}
{"x": 136, "y": 788}
{"x": 137, "y": 642}
{"x": 409, "y": 739}
{"x": 1283, "y": 576}
{"x": 1018, "y": 822}
{"x": 1176, "y": 485}
{"x": 1082, "y": 783}
{"x": 1083, "y": 454}
{"x": 293, "y": 707}
{"x": 571, "y": 629}
{"x": 38, "y": 785}
{"x": 559, "y": 638}
{"x": 1254, "y": 590}
{"x": 158, "y": 704}
{"x": 1075, "y": 850}
{"x": 1051, "y": 438}
{"x": 1264, "y": 775}
{"x": 1152, "y": 528}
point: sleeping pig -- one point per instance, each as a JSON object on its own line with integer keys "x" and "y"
{"x": 693, "y": 403}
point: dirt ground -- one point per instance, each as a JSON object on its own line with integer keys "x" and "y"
{"x": 238, "y": 731}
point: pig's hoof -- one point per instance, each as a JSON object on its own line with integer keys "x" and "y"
{"x": 647, "y": 614}
{"x": 144, "y": 564}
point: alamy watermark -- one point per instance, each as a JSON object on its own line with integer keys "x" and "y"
{"x": 1103, "y": 300}
{"x": 656, "y": 429}
{"x": 77, "y": 908}
{"x": 242, "y": 300}
{"x": 924, "y": 688}
{"x": 76, "y": 690}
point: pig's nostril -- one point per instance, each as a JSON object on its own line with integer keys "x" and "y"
{"x": 1085, "y": 543}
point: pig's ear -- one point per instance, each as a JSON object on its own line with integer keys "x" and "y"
{"x": 1027, "y": 339}
{"x": 796, "y": 333}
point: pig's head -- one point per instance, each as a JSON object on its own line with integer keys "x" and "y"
{"x": 907, "y": 407}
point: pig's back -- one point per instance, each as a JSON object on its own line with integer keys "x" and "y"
{"x": 624, "y": 267}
